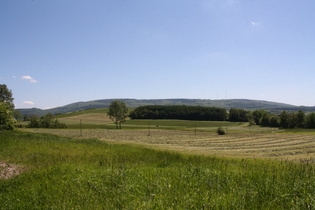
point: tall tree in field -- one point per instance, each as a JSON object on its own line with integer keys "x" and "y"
{"x": 118, "y": 112}
{"x": 6, "y": 96}
{"x": 6, "y": 109}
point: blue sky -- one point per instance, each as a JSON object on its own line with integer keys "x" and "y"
{"x": 53, "y": 53}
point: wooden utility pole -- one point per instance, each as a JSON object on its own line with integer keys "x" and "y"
{"x": 81, "y": 127}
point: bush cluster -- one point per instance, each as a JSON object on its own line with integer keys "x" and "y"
{"x": 47, "y": 121}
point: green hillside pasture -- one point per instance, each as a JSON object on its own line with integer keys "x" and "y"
{"x": 97, "y": 118}
{"x": 65, "y": 173}
{"x": 87, "y": 111}
{"x": 86, "y": 118}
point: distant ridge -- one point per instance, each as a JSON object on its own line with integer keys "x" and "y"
{"x": 247, "y": 104}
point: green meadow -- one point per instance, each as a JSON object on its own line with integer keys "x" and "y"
{"x": 69, "y": 173}
{"x": 97, "y": 118}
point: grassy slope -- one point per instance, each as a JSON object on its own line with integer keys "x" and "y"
{"x": 65, "y": 173}
{"x": 88, "y": 111}
{"x": 97, "y": 118}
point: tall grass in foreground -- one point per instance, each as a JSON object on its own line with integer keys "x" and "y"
{"x": 64, "y": 173}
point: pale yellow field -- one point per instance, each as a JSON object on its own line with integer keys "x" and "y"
{"x": 259, "y": 145}
{"x": 91, "y": 118}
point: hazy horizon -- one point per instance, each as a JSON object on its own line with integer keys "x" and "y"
{"x": 47, "y": 108}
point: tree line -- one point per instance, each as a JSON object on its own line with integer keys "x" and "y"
{"x": 286, "y": 119}
{"x": 179, "y": 112}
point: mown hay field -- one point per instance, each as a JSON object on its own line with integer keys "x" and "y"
{"x": 42, "y": 171}
{"x": 242, "y": 143}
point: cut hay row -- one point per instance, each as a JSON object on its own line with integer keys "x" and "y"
{"x": 257, "y": 143}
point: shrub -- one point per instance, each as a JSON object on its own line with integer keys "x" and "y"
{"x": 220, "y": 131}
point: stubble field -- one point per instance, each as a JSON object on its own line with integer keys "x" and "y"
{"x": 237, "y": 143}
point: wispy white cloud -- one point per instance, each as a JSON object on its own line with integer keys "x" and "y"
{"x": 255, "y": 23}
{"x": 27, "y": 77}
{"x": 30, "y": 79}
{"x": 28, "y": 102}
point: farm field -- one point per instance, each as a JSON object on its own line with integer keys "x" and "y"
{"x": 194, "y": 137}
{"x": 99, "y": 119}
{"x": 156, "y": 164}
{"x": 43, "y": 171}
{"x": 239, "y": 142}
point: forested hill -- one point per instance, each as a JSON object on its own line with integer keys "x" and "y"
{"x": 227, "y": 104}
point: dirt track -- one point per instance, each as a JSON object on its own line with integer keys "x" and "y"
{"x": 9, "y": 170}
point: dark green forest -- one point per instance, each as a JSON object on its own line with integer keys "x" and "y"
{"x": 180, "y": 113}
{"x": 286, "y": 119}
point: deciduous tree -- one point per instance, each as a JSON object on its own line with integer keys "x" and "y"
{"x": 258, "y": 115}
{"x": 118, "y": 112}
{"x": 6, "y": 96}
{"x": 7, "y": 121}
